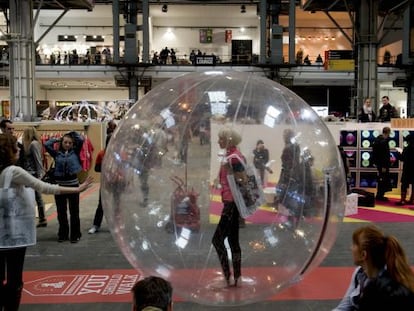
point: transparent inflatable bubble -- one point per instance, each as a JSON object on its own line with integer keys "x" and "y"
{"x": 162, "y": 199}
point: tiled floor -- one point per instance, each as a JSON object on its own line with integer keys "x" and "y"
{"x": 96, "y": 258}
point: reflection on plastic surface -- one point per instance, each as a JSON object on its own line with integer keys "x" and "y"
{"x": 163, "y": 203}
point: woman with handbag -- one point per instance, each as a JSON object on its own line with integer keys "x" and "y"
{"x": 228, "y": 226}
{"x": 67, "y": 167}
{"x": 12, "y": 255}
{"x": 32, "y": 162}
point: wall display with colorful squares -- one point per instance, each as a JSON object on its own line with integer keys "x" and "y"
{"x": 357, "y": 145}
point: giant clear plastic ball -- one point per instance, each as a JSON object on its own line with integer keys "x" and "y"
{"x": 162, "y": 199}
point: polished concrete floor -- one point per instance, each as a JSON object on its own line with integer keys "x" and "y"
{"x": 54, "y": 271}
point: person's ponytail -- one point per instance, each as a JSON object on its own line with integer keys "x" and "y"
{"x": 397, "y": 263}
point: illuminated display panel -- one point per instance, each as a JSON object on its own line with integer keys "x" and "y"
{"x": 348, "y": 139}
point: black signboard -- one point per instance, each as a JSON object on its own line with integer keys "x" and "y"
{"x": 207, "y": 60}
{"x": 340, "y": 54}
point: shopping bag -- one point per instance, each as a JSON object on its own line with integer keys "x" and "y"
{"x": 17, "y": 214}
{"x": 246, "y": 188}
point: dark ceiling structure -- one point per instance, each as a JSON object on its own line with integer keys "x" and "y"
{"x": 55, "y": 5}
{"x": 385, "y": 6}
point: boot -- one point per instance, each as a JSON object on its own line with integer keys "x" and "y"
{"x": 242, "y": 222}
{"x": 12, "y": 299}
{"x": 403, "y": 197}
{"x": 2, "y": 296}
{"x": 42, "y": 223}
{"x": 411, "y": 202}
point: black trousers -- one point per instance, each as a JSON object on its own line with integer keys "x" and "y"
{"x": 11, "y": 266}
{"x": 62, "y": 202}
{"x": 384, "y": 183}
{"x": 228, "y": 227}
{"x": 97, "y": 220}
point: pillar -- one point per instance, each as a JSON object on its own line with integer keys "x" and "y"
{"x": 408, "y": 57}
{"x": 22, "y": 61}
{"x": 115, "y": 30}
{"x": 366, "y": 48}
{"x": 276, "y": 33}
{"x": 263, "y": 30}
{"x": 145, "y": 32}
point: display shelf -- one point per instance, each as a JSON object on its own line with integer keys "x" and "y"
{"x": 357, "y": 145}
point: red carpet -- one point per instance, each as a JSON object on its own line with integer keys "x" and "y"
{"x": 88, "y": 286}
{"x": 382, "y": 212}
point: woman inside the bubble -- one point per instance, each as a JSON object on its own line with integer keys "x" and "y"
{"x": 228, "y": 226}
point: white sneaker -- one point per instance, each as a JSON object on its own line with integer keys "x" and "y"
{"x": 93, "y": 230}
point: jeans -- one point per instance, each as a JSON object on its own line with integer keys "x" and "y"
{"x": 62, "y": 201}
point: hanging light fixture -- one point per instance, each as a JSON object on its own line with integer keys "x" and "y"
{"x": 243, "y": 9}
{"x": 164, "y": 8}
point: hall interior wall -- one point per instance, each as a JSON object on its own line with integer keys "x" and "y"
{"x": 82, "y": 94}
{"x": 311, "y": 29}
{"x": 76, "y": 95}
{"x": 187, "y": 37}
{"x": 183, "y": 40}
{"x": 184, "y": 33}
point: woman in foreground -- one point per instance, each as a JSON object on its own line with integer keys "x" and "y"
{"x": 12, "y": 257}
{"x": 384, "y": 279}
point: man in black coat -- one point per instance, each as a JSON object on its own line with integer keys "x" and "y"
{"x": 387, "y": 111}
{"x": 381, "y": 158}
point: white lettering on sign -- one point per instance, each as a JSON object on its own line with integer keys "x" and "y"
{"x": 83, "y": 285}
{"x": 127, "y": 284}
{"x": 205, "y": 61}
{"x": 112, "y": 284}
{"x": 117, "y": 284}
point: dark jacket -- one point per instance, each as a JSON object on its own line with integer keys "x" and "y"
{"x": 261, "y": 157}
{"x": 364, "y": 117}
{"x": 407, "y": 156}
{"x": 290, "y": 163}
{"x": 385, "y": 294}
{"x": 66, "y": 163}
{"x": 381, "y": 152}
{"x": 387, "y": 112}
{"x": 32, "y": 161}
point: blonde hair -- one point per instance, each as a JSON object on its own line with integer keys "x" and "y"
{"x": 29, "y": 135}
{"x": 231, "y": 136}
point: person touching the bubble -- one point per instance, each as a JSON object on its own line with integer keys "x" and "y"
{"x": 12, "y": 257}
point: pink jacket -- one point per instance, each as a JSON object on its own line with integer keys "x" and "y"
{"x": 86, "y": 154}
{"x": 226, "y": 195}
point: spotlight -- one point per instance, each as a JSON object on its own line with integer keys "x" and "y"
{"x": 164, "y": 8}
{"x": 243, "y": 9}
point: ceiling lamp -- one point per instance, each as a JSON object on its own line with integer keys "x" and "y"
{"x": 164, "y": 8}
{"x": 243, "y": 9}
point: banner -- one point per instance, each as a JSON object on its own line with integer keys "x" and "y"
{"x": 206, "y": 35}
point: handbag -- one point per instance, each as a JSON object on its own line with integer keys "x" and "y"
{"x": 246, "y": 188}
{"x": 17, "y": 214}
{"x": 49, "y": 177}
